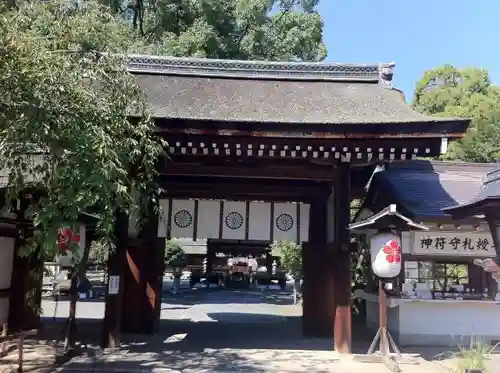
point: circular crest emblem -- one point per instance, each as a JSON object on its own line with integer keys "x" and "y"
{"x": 183, "y": 218}
{"x": 284, "y": 222}
{"x": 234, "y": 220}
{"x": 392, "y": 250}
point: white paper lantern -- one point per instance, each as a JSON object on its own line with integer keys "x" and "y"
{"x": 385, "y": 252}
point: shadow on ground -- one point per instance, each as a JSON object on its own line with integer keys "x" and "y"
{"x": 192, "y": 297}
{"x": 171, "y": 361}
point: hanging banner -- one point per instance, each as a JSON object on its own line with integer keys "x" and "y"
{"x": 66, "y": 239}
{"x": 385, "y": 252}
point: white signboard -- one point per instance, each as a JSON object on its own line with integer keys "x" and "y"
{"x": 113, "y": 285}
{"x": 475, "y": 244}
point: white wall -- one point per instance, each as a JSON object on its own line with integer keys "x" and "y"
{"x": 450, "y": 318}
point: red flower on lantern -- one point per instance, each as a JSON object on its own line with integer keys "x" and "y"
{"x": 64, "y": 237}
{"x": 393, "y": 252}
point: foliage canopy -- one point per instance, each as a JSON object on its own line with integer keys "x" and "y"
{"x": 291, "y": 256}
{"x": 277, "y": 30}
{"x": 68, "y": 108}
{"x": 174, "y": 254}
{"x": 447, "y": 91}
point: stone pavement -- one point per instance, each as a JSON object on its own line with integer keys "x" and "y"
{"x": 38, "y": 358}
{"x": 221, "y": 331}
{"x": 232, "y": 360}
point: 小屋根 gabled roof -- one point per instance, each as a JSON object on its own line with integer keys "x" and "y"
{"x": 423, "y": 190}
{"x": 486, "y": 200}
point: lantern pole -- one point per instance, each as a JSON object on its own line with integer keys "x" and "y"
{"x": 382, "y": 301}
{"x": 386, "y": 221}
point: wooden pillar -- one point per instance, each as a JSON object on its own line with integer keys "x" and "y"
{"x": 143, "y": 281}
{"x": 342, "y": 261}
{"x": 116, "y": 263}
{"x": 26, "y": 281}
{"x": 318, "y": 295}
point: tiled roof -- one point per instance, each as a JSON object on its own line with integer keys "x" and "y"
{"x": 424, "y": 188}
{"x": 258, "y": 91}
{"x": 490, "y": 190}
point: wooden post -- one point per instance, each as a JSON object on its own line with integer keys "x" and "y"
{"x": 382, "y": 300}
{"x": 143, "y": 280}
{"x": 342, "y": 261}
{"x": 318, "y": 307}
{"x": 23, "y": 316}
{"x": 116, "y": 262}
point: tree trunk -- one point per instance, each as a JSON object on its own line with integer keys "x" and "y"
{"x": 177, "y": 282}
{"x": 80, "y": 270}
{"x": 296, "y": 290}
{"x": 69, "y": 341}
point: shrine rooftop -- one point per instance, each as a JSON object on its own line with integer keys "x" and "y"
{"x": 316, "y": 94}
{"x": 424, "y": 189}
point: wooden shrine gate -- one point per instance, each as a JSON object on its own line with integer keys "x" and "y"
{"x": 244, "y": 131}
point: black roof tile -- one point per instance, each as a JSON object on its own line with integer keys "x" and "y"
{"x": 424, "y": 188}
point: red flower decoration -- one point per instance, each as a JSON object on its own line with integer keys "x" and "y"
{"x": 393, "y": 251}
{"x": 64, "y": 237}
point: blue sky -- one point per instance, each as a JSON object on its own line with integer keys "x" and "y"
{"x": 417, "y": 35}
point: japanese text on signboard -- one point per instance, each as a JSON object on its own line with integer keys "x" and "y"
{"x": 448, "y": 243}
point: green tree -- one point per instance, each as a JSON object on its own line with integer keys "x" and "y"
{"x": 447, "y": 91}
{"x": 65, "y": 127}
{"x": 175, "y": 258}
{"x": 174, "y": 254}
{"x": 276, "y": 30}
{"x": 71, "y": 106}
{"x": 98, "y": 253}
{"x": 291, "y": 260}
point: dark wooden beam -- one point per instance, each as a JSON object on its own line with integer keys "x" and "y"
{"x": 453, "y": 129}
{"x": 244, "y": 171}
{"x": 241, "y": 189}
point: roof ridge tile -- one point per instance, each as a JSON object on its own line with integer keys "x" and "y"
{"x": 329, "y": 71}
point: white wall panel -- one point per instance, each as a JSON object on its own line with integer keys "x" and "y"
{"x": 259, "y": 225}
{"x": 182, "y": 220}
{"x": 305, "y": 209}
{"x": 163, "y": 218}
{"x": 208, "y": 219}
{"x": 233, "y": 223}
{"x": 285, "y": 222}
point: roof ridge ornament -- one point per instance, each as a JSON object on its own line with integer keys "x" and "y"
{"x": 386, "y": 73}
{"x": 168, "y": 65}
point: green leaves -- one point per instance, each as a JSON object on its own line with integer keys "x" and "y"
{"x": 291, "y": 256}
{"x": 447, "y": 91}
{"x": 73, "y": 106}
{"x": 234, "y": 29}
{"x": 174, "y": 254}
